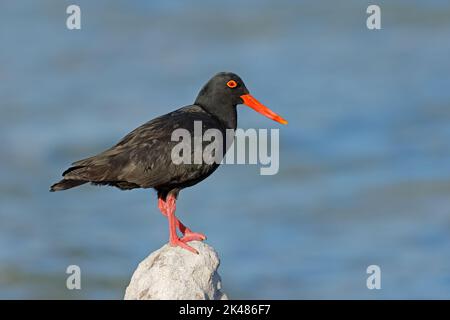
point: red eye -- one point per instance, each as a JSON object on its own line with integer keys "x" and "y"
{"x": 232, "y": 84}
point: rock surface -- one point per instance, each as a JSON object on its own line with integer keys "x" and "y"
{"x": 174, "y": 273}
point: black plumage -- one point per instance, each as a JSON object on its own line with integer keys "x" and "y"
{"x": 142, "y": 158}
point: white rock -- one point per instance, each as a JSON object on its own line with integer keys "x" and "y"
{"x": 172, "y": 273}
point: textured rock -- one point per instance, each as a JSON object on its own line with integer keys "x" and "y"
{"x": 175, "y": 273}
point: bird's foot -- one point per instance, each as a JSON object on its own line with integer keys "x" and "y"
{"x": 192, "y": 236}
{"x": 177, "y": 242}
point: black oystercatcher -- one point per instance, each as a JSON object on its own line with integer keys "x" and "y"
{"x": 142, "y": 159}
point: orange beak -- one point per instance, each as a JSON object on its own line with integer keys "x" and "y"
{"x": 259, "y": 107}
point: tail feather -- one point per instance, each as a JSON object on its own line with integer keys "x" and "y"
{"x": 96, "y": 170}
{"x": 66, "y": 184}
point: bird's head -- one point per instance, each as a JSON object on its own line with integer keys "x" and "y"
{"x": 226, "y": 90}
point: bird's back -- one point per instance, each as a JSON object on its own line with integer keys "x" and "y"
{"x": 142, "y": 159}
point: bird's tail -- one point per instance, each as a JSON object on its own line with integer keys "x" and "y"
{"x": 79, "y": 173}
{"x": 66, "y": 184}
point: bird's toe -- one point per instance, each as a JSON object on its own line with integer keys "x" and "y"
{"x": 193, "y": 236}
{"x": 180, "y": 243}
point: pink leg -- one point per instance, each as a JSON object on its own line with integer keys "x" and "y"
{"x": 174, "y": 240}
{"x": 188, "y": 235}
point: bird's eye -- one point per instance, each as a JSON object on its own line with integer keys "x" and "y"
{"x": 232, "y": 84}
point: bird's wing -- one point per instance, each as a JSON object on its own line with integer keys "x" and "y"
{"x": 143, "y": 157}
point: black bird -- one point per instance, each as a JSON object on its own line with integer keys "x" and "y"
{"x": 142, "y": 159}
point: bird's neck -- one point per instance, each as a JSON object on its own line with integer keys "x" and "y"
{"x": 226, "y": 114}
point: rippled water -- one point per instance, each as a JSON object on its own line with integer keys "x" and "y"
{"x": 364, "y": 174}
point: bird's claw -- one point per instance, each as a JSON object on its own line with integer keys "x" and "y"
{"x": 177, "y": 242}
{"x": 192, "y": 236}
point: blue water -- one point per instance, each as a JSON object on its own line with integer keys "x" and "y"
{"x": 364, "y": 162}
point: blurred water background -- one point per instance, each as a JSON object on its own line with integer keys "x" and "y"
{"x": 364, "y": 165}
